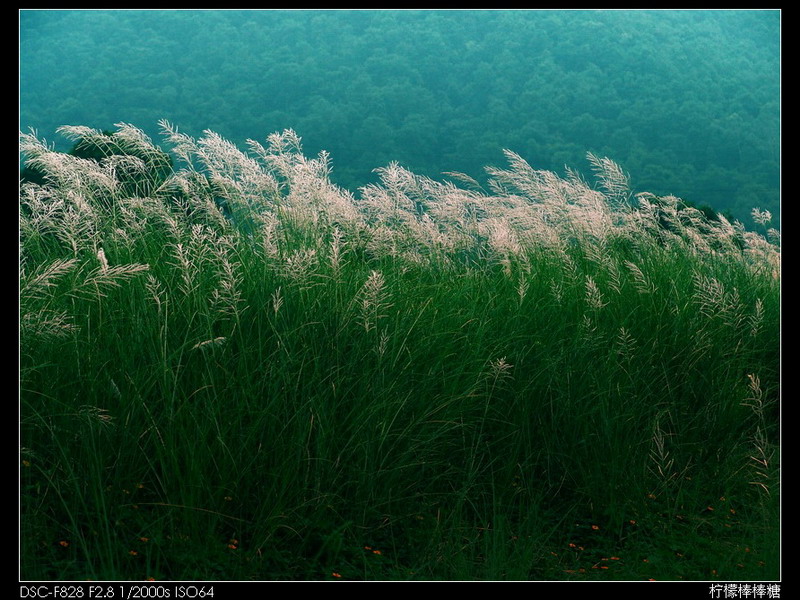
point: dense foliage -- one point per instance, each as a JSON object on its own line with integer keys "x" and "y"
{"x": 688, "y": 102}
{"x": 231, "y": 368}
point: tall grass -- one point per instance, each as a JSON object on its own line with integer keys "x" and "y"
{"x": 232, "y": 369}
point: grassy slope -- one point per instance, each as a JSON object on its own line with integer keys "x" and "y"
{"x": 420, "y": 383}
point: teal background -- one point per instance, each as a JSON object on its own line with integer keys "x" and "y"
{"x": 686, "y": 101}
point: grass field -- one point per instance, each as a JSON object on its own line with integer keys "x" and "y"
{"x": 230, "y": 369}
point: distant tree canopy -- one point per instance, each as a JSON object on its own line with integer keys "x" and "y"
{"x": 687, "y": 101}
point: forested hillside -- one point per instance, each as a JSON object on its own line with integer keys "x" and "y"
{"x": 688, "y": 102}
